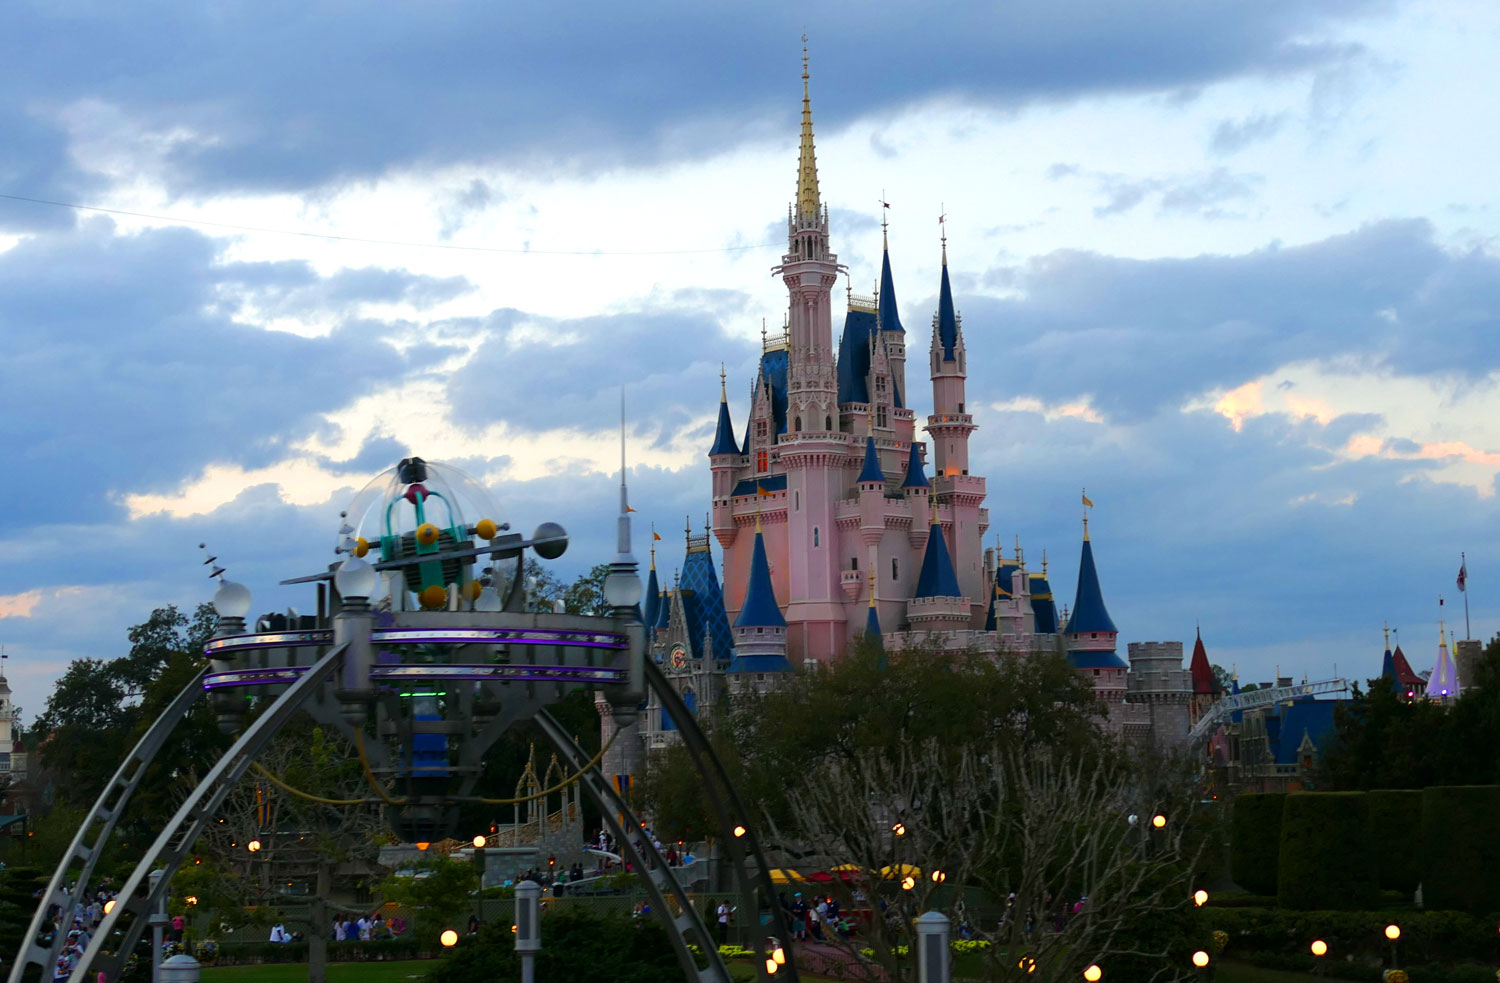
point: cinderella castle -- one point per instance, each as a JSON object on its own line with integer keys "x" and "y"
{"x": 834, "y": 518}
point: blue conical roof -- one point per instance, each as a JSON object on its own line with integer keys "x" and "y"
{"x": 1089, "y": 613}
{"x": 663, "y": 611}
{"x": 653, "y": 599}
{"x": 989, "y": 617}
{"x": 871, "y": 471}
{"x": 761, "y": 609}
{"x": 947, "y": 318}
{"x": 937, "y": 578}
{"x": 853, "y": 367}
{"x": 916, "y": 476}
{"x": 890, "y": 317}
{"x": 724, "y": 442}
{"x": 1388, "y": 669}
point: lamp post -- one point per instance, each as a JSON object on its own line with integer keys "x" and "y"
{"x": 528, "y": 931}
{"x": 158, "y": 922}
{"x": 932, "y": 947}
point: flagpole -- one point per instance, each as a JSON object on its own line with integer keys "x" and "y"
{"x": 1464, "y": 566}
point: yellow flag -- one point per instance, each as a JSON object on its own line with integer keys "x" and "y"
{"x": 629, "y": 509}
{"x": 655, "y": 536}
{"x": 1087, "y": 502}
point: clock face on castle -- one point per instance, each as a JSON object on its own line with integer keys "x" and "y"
{"x": 679, "y": 657}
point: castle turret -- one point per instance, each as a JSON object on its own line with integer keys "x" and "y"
{"x": 1090, "y": 635}
{"x": 893, "y": 338}
{"x": 1443, "y": 683}
{"x": 1206, "y": 689}
{"x": 759, "y": 630}
{"x": 939, "y": 603}
{"x": 651, "y": 604}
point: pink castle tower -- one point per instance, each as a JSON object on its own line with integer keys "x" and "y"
{"x": 830, "y": 465}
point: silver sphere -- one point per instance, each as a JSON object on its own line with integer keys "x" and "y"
{"x": 551, "y": 540}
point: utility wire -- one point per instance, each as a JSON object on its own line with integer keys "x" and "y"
{"x": 382, "y": 242}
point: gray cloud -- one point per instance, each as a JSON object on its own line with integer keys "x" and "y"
{"x": 1232, "y": 136}
{"x": 337, "y": 97}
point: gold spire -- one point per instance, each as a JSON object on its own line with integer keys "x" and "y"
{"x": 1085, "y": 527}
{"x": 872, "y": 587}
{"x": 724, "y": 383}
{"x": 1442, "y": 639}
{"x": 653, "y": 546}
{"x": 807, "y": 161}
{"x": 943, "y": 222}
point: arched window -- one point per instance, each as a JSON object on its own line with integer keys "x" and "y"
{"x": 797, "y": 424}
{"x": 828, "y": 423}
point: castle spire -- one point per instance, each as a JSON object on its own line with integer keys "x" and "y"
{"x": 916, "y": 476}
{"x": 807, "y": 161}
{"x": 871, "y": 474}
{"x": 1089, "y": 614}
{"x": 760, "y": 609}
{"x": 937, "y": 578}
{"x": 724, "y": 442}
{"x": 947, "y": 317}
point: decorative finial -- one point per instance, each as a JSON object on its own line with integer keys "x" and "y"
{"x": 943, "y": 230}
{"x": 933, "y": 500}
{"x": 885, "y": 223}
{"x": 1044, "y": 563}
{"x": 1388, "y": 635}
{"x": 872, "y": 587}
{"x": 723, "y": 384}
{"x": 653, "y": 546}
{"x": 687, "y": 527}
{"x": 1085, "y": 527}
{"x": 214, "y": 569}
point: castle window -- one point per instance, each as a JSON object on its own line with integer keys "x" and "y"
{"x": 828, "y": 423}
{"x": 880, "y": 418}
{"x": 796, "y": 501}
{"x": 1096, "y": 672}
{"x": 797, "y": 424}
{"x": 895, "y": 570}
{"x": 815, "y": 537}
{"x": 960, "y": 407}
{"x": 880, "y": 383}
{"x": 760, "y": 462}
{"x": 853, "y": 563}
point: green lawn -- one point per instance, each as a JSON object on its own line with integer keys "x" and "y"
{"x": 364, "y": 972}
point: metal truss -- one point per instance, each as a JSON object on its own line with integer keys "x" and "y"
{"x": 736, "y": 831}
{"x": 684, "y": 928}
{"x": 77, "y": 864}
{"x": 176, "y": 839}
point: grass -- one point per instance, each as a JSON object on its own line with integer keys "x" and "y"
{"x": 361, "y": 972}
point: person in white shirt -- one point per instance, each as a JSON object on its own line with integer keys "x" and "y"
{"x": 278, "y": 933}
{"x": 364, "y": 929}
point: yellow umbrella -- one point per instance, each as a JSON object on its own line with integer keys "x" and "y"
{"x": 779, "y": 876}
{"x": 901, "y": 870}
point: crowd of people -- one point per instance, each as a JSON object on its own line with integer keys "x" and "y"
{"x": 80, "y": 922}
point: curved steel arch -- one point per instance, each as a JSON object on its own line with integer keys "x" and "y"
{"x": 731, "y": 813}
{"x": 652, "y": 867}
{"x": 105, "y": 812}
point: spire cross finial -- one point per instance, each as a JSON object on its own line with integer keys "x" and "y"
{"x": 1044, "y": 563}
{"x": 885, "y": 222}
{"x": 724, "y": 383}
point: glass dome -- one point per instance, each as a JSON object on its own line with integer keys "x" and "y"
{"x": 420, "y": 508}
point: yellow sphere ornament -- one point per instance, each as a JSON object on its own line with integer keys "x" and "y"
{"x": 472, "y": 590}
{"x": 427, "y": 534}
{"x": 361, "y": 546}
{"x": 433, "y": 597}
{"x": 486, "y": 529}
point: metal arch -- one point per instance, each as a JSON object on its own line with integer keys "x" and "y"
{"x": 181, "y": 832}
{"x": 730, "y": 813}
{"x": 647, "y": 860}
{"x": 106, "y": 811}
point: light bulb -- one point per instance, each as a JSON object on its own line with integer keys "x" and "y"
{"x": 1093, "y": 974}
{"x": 479, "y": 842}
{"x": 232, "y": 600}
{"x": 488, "y": 599}
{"x": 622, "y": 589}
{"x": 449, "y": 938}
{"x": 1200, "y": 959}
{"x": 355, "y": 578}
{"x": 1319, "y": 947}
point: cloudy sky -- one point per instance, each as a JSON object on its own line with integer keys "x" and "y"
{"x": 1232, "y": 266}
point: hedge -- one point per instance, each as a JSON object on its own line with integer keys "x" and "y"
{"x": 1396, "y": 834}
{"x": 1460, "y": 848}
{"x": 1326, "y": 862}
{"x": 1256, "y": 841}
{"x": 1427, "y": 937}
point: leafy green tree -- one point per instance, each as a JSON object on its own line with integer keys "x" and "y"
{"x": 586, "y": 594}
{"x": 868, "y": 701}
{"x": 443, "y": 888}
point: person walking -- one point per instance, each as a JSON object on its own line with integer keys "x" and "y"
{"x": 724, "y": 911}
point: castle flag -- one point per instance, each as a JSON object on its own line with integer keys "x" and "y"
{"x": 1463, "y": 574}
{"x": 1087, "y": 502}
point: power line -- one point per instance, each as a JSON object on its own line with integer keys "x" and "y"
{"x": 382, "y": 242}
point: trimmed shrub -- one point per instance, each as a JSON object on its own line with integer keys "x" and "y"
{"x": 1396, "y": 835}
{"x": 1326, "y": 862}
{"x": 1255, "y": 841}
{"x": 1460, "y": 849}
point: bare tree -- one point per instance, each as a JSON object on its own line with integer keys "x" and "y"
{"x": 1055, "y": 862}
{"x": 331, "y": 830}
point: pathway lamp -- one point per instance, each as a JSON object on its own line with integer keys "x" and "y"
{"x": 449, "y": 938}
{"x": 1200, "y": 959}
{"x": 1200, "y": 897}
{"x": 1093, "y": 974}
